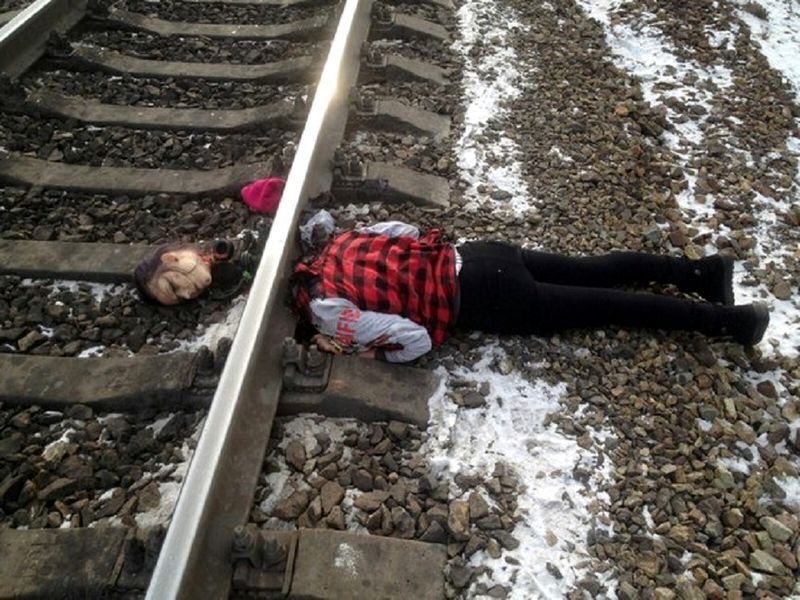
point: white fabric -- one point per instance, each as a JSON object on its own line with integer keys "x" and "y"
{"x": 359, "y": 330}
{"x": 393, "y": 229}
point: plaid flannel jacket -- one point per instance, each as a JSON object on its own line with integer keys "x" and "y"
{"x": 396, "y": 275}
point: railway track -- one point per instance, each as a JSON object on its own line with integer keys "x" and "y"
{"x": 148, "y": 451}
{"x": 146, "y": 118}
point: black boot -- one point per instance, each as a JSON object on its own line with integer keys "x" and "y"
{"x": 712, "y": 278}
{"x": 745, "y": 324}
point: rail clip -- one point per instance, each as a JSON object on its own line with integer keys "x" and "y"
{"x": 304, "y": 369}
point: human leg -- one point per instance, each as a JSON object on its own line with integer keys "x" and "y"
{"x": 499, "y": 294}
{"x": 563, "y": 307}
{"x": 711, "y": 277}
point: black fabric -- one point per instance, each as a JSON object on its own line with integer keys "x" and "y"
{"x": 505, "y": 289}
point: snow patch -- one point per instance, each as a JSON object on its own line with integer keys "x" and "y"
{"x": 491, "y": 80}
{"x": 94, "y": 351}
{"x": 556, "y": 508}
{"x": 791, "y": 487}
{"x": 778, "y": 35}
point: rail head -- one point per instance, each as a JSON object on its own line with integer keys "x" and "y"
{"x": 186, "y": 547}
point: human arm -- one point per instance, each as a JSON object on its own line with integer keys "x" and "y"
{"x": 392, "y": 338}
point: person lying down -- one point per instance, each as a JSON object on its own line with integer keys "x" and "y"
{"x": 391, "y": 293}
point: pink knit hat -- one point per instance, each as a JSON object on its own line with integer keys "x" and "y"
{"x": 264, "y": 195}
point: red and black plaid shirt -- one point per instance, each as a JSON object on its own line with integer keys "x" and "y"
{"x": 396, "y": 275}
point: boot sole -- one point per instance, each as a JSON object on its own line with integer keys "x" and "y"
{"x": 762, "y": 321}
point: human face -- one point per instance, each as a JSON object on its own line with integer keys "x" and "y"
{"x": 183, "y": 275}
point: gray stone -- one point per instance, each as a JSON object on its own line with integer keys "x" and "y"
{"x": 478, "y": 507}
{"x": 362, "y": 479}
{"x": 553, "y": 570}
{"x": 331, "y": 494}
{"x": 782, "y": 290}
{"x": 292, "y": 506}
{"x": 149, "y": 497}
{"x": 689, "y": 591}
{"x": 80, "y": 411}
{"x": 335, "y": 520}
{"x": 458, "y": 520}
{"x": 724, "y": 479}
{"x": 371, "y": 501}
{"x": 475, "y": 543}
{"x": 398, "y": 491}
{"x": 708, "y": 412}
{"x": 397, "y": 429}
{"x": 498, "y": 591}
{"x": 626, "y": 591}
{"x": 764, "y": 561}
{"x": 296, "y": 455}
{"x": 734, "y": 582}
{"x": 11, "y": 335}
{"x": 387, "y": 524}
{"x": 459, "y": 574}
{"x": 111, "y": 506}
{"x": 493, "y": 548}
{"x": 473, "y": 399}
{"x": 490, "y": 522}
{"x": 30, "y": 340}
{"x": 59, "y": 488}
{"x": 403, "y": 523}
{"x": 374, "y": 521}
{"x": 10, "y": 445}
{"x": 733, "y": 518}
{"x": 591, "y": 585}
{"x": 434, "y": 534}
{"x": 312, "y": 515}
{"x": 777, "y": 530}
{"x": 507, "y": 541}
{"x": 10, "y": 487}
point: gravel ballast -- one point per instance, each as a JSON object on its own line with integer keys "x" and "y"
{"x": 201, "y": 12}
{"x": 166, "y": 93}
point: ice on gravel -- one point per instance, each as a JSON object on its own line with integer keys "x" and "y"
{"x": 557, "y": 511}
{"x": 491, "y": 79}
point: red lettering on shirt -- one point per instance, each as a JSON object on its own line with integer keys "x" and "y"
{"x": 346, "y": 325}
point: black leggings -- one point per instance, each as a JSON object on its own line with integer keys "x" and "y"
{"x": 505, "y": 289}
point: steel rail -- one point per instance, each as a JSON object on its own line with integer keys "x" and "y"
{"x": 23, "y": 38}
{"x": 216, "y": 496}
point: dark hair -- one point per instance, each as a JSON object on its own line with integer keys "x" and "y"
{"x": 304, "y": 286}
{"x": 146, "y": 270}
